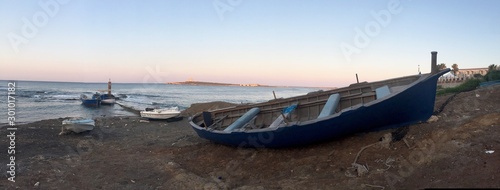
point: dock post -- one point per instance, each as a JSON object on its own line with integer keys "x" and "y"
{"x": 434, "y": 67}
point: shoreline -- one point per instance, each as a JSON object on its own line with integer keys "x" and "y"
{"x": 191, "y": 110}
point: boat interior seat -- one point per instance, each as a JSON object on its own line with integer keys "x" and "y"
{"x": 282, "y": 118}
{"x": 400, "y": 88}
{"x": 382, "y": 91}
{"x": 243, "y": 120}
{"x": 207, "y": 119}
{"x": 330, "y": 106}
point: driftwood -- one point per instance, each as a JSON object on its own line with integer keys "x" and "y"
{"x": 375, "y": 186}
{"x": 362, "y": 169}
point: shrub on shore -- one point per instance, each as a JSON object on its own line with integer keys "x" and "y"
{"x": 492, "y": 75}
{"x": 468, "y": 85}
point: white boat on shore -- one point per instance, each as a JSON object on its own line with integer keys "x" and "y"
{"x": 77, "y": 125}
{"x": 156, "y": 113}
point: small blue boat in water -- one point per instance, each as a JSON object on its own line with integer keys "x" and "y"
{"x": 94, "y": 101}
{"x": 108, "y": 99}
{"x": 323, "y": 115}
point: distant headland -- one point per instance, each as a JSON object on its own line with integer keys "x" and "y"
{"x": 202, "y": 83}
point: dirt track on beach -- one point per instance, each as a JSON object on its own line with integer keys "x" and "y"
{"x": 125, "y": 153}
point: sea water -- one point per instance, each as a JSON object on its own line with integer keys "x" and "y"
{"x": 49, "y": 100}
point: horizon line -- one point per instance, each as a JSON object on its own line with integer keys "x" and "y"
{"x": 167, "y": 83}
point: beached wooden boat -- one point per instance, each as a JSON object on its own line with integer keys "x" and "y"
{"x": 156, "y": 113}
{"x": 94, "y": 101}
{"x": 323, "y": 115}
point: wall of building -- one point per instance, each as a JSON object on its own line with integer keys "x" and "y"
{"x": 462, "y": 75}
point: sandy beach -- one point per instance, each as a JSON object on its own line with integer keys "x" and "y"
{"x": 460, "y": 149}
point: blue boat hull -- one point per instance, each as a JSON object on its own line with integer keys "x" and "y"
{"x": 107, "y": 99}
{"x": 414, "y": 104}
{"x": 94, "y": 101}
{"x": 90, "y": 102}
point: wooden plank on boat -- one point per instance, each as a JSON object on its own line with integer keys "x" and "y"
{"x": 217, "y": 122}
{"x": 207, "y": 119}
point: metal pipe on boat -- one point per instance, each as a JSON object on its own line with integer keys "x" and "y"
{"x": 357, "y": 80}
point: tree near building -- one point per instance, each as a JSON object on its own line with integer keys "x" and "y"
{"x": 492, "y": 67}
{"x": 442, "y": 66}
{"x": 454, "y": 69}
{"x": 493, "y": 73}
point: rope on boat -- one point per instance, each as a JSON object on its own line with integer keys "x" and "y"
{"x": 362, "y": 169}
{"x": 362, "y": 149}
{"x": 129, "y": 108}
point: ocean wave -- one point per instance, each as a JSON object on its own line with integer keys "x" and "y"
{"x": 148, "y": 100}
{"x": 30, "y": 93}
{"x": 145, "y": 95}
{"x": 56, "y": 97}
{"x": 138, "y": 101}
{"x": 66, "y": 97}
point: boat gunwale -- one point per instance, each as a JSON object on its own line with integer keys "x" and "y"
{"x": 319, "y": 93}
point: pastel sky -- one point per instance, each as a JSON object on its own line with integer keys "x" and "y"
{"x": 277, "y": 42}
